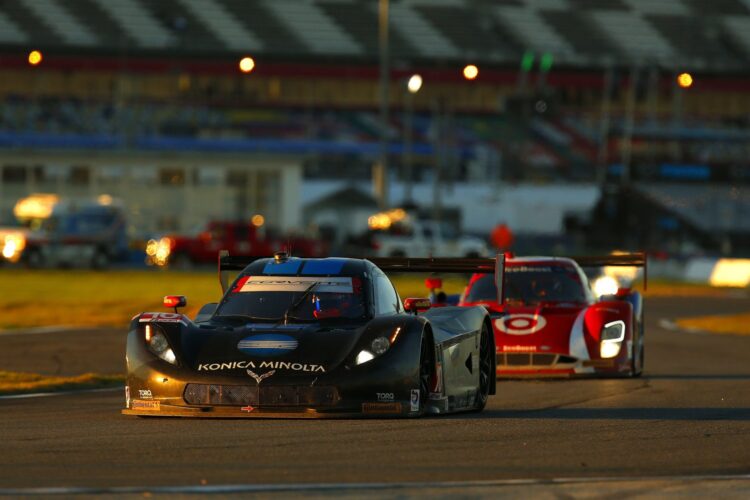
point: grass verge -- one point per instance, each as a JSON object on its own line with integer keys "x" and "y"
{"x": 21, "y": 382}
{"x": 31, "y": 298}
{"x": 735, "y": 324}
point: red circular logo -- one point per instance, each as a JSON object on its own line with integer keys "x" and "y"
{"x": 520, "y": 324}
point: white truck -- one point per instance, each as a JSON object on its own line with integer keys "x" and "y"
{"x": 428, "y": 239}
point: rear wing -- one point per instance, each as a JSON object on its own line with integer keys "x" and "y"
{"x": 228, "y": 263}
{"x": 632, "y": 259}
{"x": 447, "y": 265}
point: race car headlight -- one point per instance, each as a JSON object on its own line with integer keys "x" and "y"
{"x": 157, "y": 343}
{"x": 377, "y": 347}
{"x": 611, "y": 339}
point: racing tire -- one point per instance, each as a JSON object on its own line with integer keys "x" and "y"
{"x": 486, "y": 369}
{"x": 636, "y": 369}
{"x": 100, "y": 260}
{"x": 426, "y": 368}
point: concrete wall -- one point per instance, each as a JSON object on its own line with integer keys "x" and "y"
{"x": 526, "y": 208}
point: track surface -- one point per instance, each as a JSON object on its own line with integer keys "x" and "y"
{"x": 688, "y": 415}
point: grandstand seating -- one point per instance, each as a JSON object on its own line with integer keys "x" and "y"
{"x": 276, "y": 37}
{"x": 696, "y": 33}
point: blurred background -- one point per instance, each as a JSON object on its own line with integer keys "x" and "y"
{"x": 156, "y": 132}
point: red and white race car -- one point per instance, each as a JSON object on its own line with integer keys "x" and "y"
{"x": 548, "y": 322}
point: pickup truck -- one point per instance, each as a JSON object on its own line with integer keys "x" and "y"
{"x": 86, "y": 235}
{"x": 183, "y": 251}
{"x": 427, "y": 239}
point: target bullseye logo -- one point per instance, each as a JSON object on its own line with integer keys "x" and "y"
{"x": 520, "y": 324}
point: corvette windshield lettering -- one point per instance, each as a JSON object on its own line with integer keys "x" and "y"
{"x": 271, "y": 365}
{"x": 340, "y": 284}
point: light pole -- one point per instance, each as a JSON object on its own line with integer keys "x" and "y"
{"x": 412, "y": 87}
{"x": 627, "y": 133}
{"x": 602, "y": 154}
{"x": 381, "y": 171}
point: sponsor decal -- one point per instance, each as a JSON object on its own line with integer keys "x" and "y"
{"x": 271, "y": 344}
{"x": 260, "y": 378}
{"x": 385, "y": 396}
{"x": 520, "y": 324}
{"x": 527, "y": 269}
{"x": 247, "y": 408}
{"x": 162, "y": 317}
{"x": 145, "y": 405}
{"x": 127, "y": 396}
{"x": 519, "y": 348}
{"x": 335, "y": 284}
{"x": 271, "y": 365}
{"x": 145, "y": 394}
{"x": 381, "y": 408}
{"x": 414, "y": 401}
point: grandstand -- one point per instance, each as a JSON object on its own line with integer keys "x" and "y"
{"x": 159, "y": 79}
{"x": 696, "y": 34}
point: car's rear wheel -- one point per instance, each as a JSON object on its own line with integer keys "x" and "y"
{"x": 485, "y": 368}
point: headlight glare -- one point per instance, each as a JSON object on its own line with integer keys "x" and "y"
{"x": 364, "y": 357}
{"x": 605, "y": 285}
{"x": 609, "y": 349}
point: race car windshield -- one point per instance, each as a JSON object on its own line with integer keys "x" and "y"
{"x": 531, "y": 285}
{"x": 307, "y": 299}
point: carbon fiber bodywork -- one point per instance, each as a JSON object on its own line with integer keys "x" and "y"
{"x": 211, "y": 376}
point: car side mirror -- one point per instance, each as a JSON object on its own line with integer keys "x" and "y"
{"x": 175, "y": 301}
{"x": 415, "y": 305}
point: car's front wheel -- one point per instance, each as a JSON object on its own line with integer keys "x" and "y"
{"x": 425, "y": 373}
{"x": 638, "y": 354}
{"x": 486, "y": 371}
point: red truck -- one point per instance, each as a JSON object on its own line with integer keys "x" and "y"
{"x": 239, "y": 237}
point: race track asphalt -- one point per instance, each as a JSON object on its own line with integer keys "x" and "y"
{"x": 688, "y": 416}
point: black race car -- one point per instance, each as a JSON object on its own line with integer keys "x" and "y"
{"x": 312, "y": 338}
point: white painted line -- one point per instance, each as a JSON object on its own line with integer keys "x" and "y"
{"x": 672, "y": 326}
{"x": 668, "y": 324}
{"x": 61, "y": 393}
{"x": 322, "y": 487}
